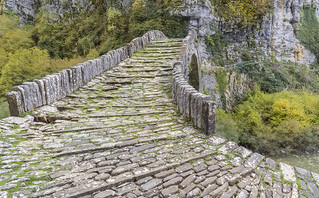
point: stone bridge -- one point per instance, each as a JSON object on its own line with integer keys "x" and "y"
{"x": 120, "y": 135}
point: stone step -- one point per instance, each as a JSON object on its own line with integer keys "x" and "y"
{"x": 158, "y": 52}
{"x": 168, "y": 40}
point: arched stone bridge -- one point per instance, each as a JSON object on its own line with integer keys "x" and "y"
{"x": 121, "y": 136}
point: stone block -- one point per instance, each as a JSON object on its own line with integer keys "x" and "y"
{"x": 35, "y": 95}
{"x": 85, "y": 73}
{"x": 77, "y": 76}
{"x": 58, "y": 86}
{"x": 99, "y": 66}
{"x": 211, "y": 118}
{"x": 199, "y": 110}
{"x": 49, "y": 87}
{"x": 188, "y": 95}
{"x": 42, "y": 90}
{"x": 106, "y": 62}
{"x": 65, "y": 83}
{"x": 194, "y": 98}
{"x": 25, "y": 93}
{"x": 15, "y": 101}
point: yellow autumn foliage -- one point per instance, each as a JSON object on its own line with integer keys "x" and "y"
{"x": 243, "y": 12}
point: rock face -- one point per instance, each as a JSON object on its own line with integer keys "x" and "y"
{"x": 225, "y": 86}
{"x": 27, "y": 9}
{"x": 278, "y": 32}
{"x": 274, "y": 36}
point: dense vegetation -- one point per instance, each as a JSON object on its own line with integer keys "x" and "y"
{"x": 54, "y": 42}
{"x": 274, "y": 77}
{"x": 308, "y": 30}
{"x": 242, "y": 12}
{"x": 281, "y": 114}
{"x": 270, "y": 123}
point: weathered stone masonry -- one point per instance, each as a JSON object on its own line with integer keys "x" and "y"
{"x": 192, "y": 104}
{"x": 196, "y": 106}
{"x": 31, "y": 95}
{"x": 125, "y": 139}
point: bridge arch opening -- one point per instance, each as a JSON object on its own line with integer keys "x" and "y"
{"x": 194, "y": 73}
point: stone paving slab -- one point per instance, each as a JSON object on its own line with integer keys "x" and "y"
{"x": 120, "y": 136}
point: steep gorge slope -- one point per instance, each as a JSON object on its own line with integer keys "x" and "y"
{"x": 274, "y": 36}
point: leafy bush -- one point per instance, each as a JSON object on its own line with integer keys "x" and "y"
{"x": 243, "y": 12}
{"x": 104, "y": 28}
{"x": 4, "y": 109}
{"x": 308, "y": 30}
{"x": 216, "y": 44}
{"x": 226, "y": 126}
{"x": 24, "y": 65}
{"x": 269, "y": 123}
{"x": 275, "y": 77}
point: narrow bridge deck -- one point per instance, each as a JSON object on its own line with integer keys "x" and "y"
{"x": 120, "y": 136}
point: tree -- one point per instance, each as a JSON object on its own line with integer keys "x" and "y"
{"x": 24, "y": 65}
{"x": 243, "y": 12}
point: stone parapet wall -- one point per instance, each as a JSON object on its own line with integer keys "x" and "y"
{"x": 192, "y": 104}
{"x": 31, "y": 95}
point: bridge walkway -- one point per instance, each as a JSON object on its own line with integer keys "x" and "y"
{"x": 120, "y": 136}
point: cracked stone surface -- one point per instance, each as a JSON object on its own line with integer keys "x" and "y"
{"x": 120, "y": 136}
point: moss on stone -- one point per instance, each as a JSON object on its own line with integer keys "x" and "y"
{"x": 308, "y": 30}
{"x": 221, "y": 78}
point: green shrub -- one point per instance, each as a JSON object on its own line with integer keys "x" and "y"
{"x": 4, "y": 109}
{"x": 226, "y": 126}
{"x": 24, "y": 65}
{"x": 216, "y": 45}
{"x": 308, "y": 30}
{"x": 269, "y": 123}
{"x": 247, "y": 56}
{"x": 275, "y": 77}
{"x": 243, "y": 12}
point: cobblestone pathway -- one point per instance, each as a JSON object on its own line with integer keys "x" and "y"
{"x": 120, "y": 136}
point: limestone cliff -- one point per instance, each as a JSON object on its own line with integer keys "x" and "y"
{"x": 274, "y": 36}
{"x": 27, "y": 9}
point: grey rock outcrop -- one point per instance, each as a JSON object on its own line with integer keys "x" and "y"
{"x": 27, "y": 9}
{"x": 274, "y": 36}
{"x": 236, "y": 86}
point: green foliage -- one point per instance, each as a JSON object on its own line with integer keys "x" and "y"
{"x": 275, "y": 77}
{"x": 222, "y": 82}
{"x": 308, "y": 30}
{"x": 205, "y": 91}
{"x": 92, "y": 54}
{"x": 243, "y": 12}
{"x": 247, "y": 56}
{"x": 4, "y": 109}
{"x": 226, "y": 126}
{"x": 269, "y": 123}
{"x": 149, "y": 15}
{"x": 24, "y": 65}
{"x": 12, "y": 38}
{"x": 216, "y": 44}
{"x": 105, "y": 28}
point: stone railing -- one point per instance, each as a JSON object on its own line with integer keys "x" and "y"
{"x": 51, "y": 88}
{"x": 192, "y": 104}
